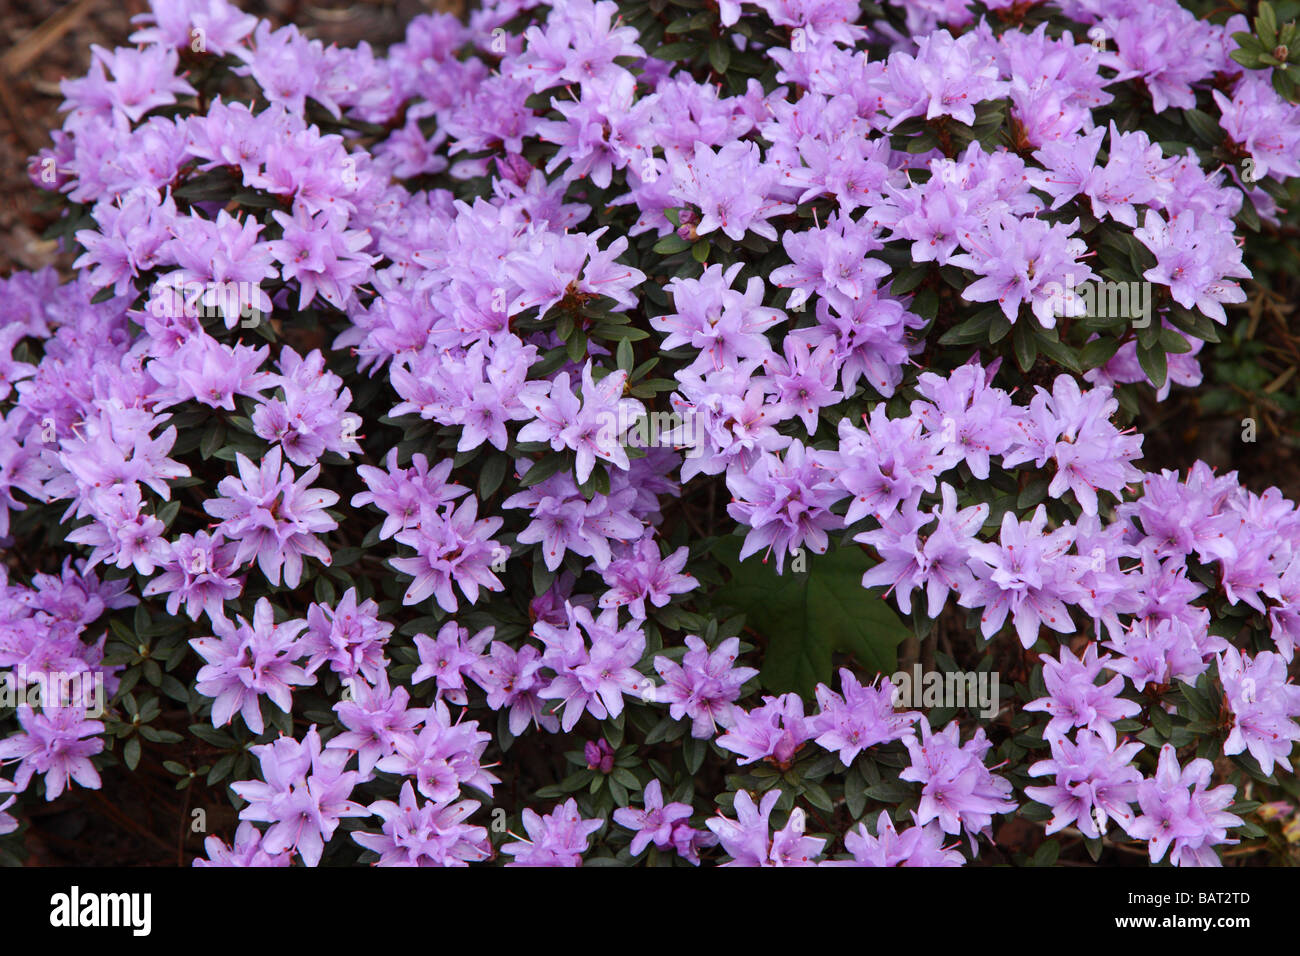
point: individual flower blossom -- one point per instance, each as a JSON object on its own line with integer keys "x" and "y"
{"x": 1160, "y": 652}
{"x": 313, "y": 416}
{"x": 863, "y": 717}
{"x": 1075, "y": 700}
{"x": 644, "y": 575}
{"x": 916, "y": 846}
{"x": 1025, "y": 261}
{"x": 726, "y": 419}
{"x": 1263, "y": 124}
{"x": 590, "y": 677}
{"x": 512, "y": 679}
{"x": 375, "y": 717}
{"x": 220, "y": 25}
{"x": 442, "y": 756}
{"x": 937, "y": 560}
{"x": 350, "y": 637}
{"x": 775, "y": 732}
{"x": 1196, "y": 258}
{"x": 401, "y": 493}
{"x": 133, "y": 236}
{"x": 207, "y": 371}
{"x": 598, "y": 134}
{"x": 321, "y": 256}
{"x": 956, "y": 788}
{"x": 452, "y": 546}
{"x": 688, "y": 841}
{"x": 893, "y": 462}
{"x": 968, "y": 415}
{"x": 748, "y": 839}
{"x": 142, "y": 80}
{"x": 1022, "y": 575}
{"x": 1073, "y": 428}
{"x": 21, "y": 468}
{"x": 946, "y": 77}
{"x": 557, "y": 839}
{"x": 284, "y": 64}
{"x": 57, "y": 742}
{"x": 704, "y": 686}
{"x": 248, "y": 661}
{"x": 1263, "y": 703}
{"x": 1183, "y": 517}
{"x": 1095, "y": 782}
{"x": 564, "y": 520}
{"x": 726, "y": 326}
{"x": 273, "y": 517}
{"x": 303, "y": 794}
{"x": 568, "y": 267}
{"x": 1167, "y": 46}
{"x": 122, "y": 531}
{"x": 449, "y": 658}
{"x": 592, "y": 427}
{"x": 786, "y": 502}
{"x": 224, "y": 258}
{"x": 830, "y": 261}
{"x": 1285, "y": 616}
{"x": 579, "y": 44}
{"x": 429, "y": 835}
{"x": 475, "y": 389}
{"x": 1181, "y": 816}
{"x": 199, "y": 571}
{"x": 247, "y": 850}
{"x": 732, "y": 187}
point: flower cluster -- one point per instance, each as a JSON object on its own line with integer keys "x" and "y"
{"x": 452, "y": 399}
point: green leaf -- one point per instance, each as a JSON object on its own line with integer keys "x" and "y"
{"x": 131, "y": 753}
{"x": 541, "y": 470}
{"x": 1055, "y": 350}
{"x": 671, "y": 244}
{"x": 1266, "y": 24}
{"x": 807, "y": 616}
{"x": 1153, "y": 362}
{"x": 969, "y": 332}
{"x": 212, "y": 440}
{"x": 1025, "y": 347}
{"x": 719, "y": 56}
{"x": 1204, "y": 125}
{"x": 1034, "y": 492}
{"x": 1047, "y": 853}
{"x": 1094, "y": 847}
{"x": 676, "y": 51}
{"x": 576, "y": 347}
{"x": 490, "y": 478}
{"x": 694, "y": 751}
{"x": 926, "y": 303}
{"x": 1098, "y": 352}
{"x": 905, "y": 280}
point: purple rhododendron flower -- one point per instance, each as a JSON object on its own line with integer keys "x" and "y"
{"x": 1181, "y": 814}
{"x": 246, "y": 661}
{"x": 557, "y": 839}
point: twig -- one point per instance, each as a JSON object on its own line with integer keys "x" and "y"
{"x": 25, "y": 51}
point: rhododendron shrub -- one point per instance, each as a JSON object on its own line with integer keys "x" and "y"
{"x": 542, "y": 442}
